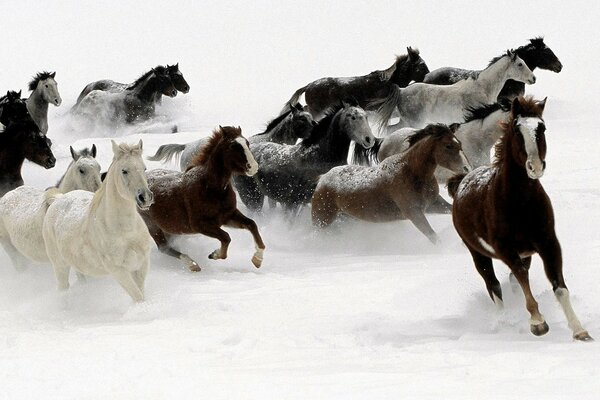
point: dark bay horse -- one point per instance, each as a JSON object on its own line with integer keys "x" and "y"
{"x": 201, "y": 199}
{"x": 288, "y": 174}
{"x": 401, "y": 187}
{"x": 137, "y": 102}
{"x": 502, "y": 211}
{"x": 324, "y": 93}
{"x": 535, "y": 54}
{"x": 20, "y": 140}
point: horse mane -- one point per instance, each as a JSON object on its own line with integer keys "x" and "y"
{"x": 537, "y": 41}
{"x": 483, "y": 111}
{"x": 207, "y": 150}
{"x": 275, "y": 121}
{"x": 40, "y": 76}
{"x": 145, "y": 75}
{"x": 428, "y": 132}
{"x": 320, "y": 130}
{"x": 508, "y": 53}
{"x": 10, "y": 93}
{"x": 529, "y": 108}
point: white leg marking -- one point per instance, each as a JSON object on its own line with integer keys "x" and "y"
{"x": 499, "y": 303}
{"x": 562, "y": 295}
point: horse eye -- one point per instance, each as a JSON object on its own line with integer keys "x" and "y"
{"x": 46, "y": 85}
{"x": 81, "y": 171}
{"x": 353, "y": 117}
{"x": 449, "y": 146}
{"x": 124, "y": 172}
{"x": 520, "y": 64}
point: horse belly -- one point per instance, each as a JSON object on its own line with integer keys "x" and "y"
{"x": 369, "y": 205}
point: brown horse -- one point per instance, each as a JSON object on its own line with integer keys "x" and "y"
{"x": 201, "y": 199}
{"x": 502, "y": 211}
{"x": 401, "y": 187}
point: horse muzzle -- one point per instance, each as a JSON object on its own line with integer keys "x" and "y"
{"x": 144, "y": 199}
{"x": 532, "y": 80}
{"x": 57, "y": 102}
{"x": 368, "y": 142}
{"x": 557, "y": 67}
{"x": 50, "y": 163}
{"x": 535, "y": 169}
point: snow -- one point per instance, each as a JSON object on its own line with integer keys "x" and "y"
{"x": 360, "y": 311}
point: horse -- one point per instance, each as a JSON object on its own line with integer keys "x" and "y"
{"x": 324, "y": 93}
{"x": 44, "y": 91}
{"x": 135, "y": 103}
{"x": 287, "y": 128}
{"x": 22, "y": 210}
{"x": 201, "y": 199}
{"x": 102, "y": 233}
{"x": 477, "y": 135}
{"x": 108, "y": 85}
{"x": 423, "y": 103}
{"x": 535, "y": 54}
{"x": 288, "y": 174}
{"x": 20, "y": 140}
{"x": 401, "y": 187}
{"x": 502, "y": 211}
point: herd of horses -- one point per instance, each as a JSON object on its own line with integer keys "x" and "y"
{"x": 448, "y": 120}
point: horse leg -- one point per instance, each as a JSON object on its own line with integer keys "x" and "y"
{"x": 18, "y": 260}
{"x": 127, "y": 282}
{"x": 417, "y": 217}
{"x": 323, "y": 210}
{"x": 139, "y": 276}
{"x": 162, "y": 241}
{"x": 61, "y": 272}
{"x": 485, "y": 267}
{"x": 239, "y": 220}
{"x": 439, "y": 206}
{"x": 537, "y": 324}
{"x": 81, "y": 278}
{"x": 514, "y": 284}
{"x": 216, "y": 232}
{"x": 551, "y": 255}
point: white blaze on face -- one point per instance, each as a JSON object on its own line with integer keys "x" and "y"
{"x": 253, "y": 165}
{"x": 528, "y": 128}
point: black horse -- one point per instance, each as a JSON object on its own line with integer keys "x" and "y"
{"x": 20, "y": 140}
{"x": 535, "y": 54}
{"x": 324, "y": 93}
{"x": 289, "y": 173}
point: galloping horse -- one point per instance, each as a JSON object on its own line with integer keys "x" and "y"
{"x": 135, "y": 103}
{"x": 324, "y": 93}
{"x": 288, "y": 174}
{"x": 535, "y": 54}
{"x": 401, "y": 187}
{"x": 287, "y": 128}
{"x": 23, "y": 209}
{"x": 502, "y": 211}
{"x": 102, "y": 233}
{"x": 44, "y": 91}
{"x": 423, "y": 103}
{"x": 201, "y": 199}
{"x": 20, "y": 140}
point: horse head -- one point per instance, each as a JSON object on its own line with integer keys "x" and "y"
{"x": 45, "y": 83}
{"x": 542, "y": 56}
{"x": 302, "y": 122}
{"x": 86, "y": 170}
{"x": 164, "y": 83}
{"x": 353, "y": 122}
{"x": 127, "y": 173}
{"x": 529, "y": 148}
{"x": 517, "y": 69}
{"x": 177, "y": 78}
{"x": 417, "y": 68}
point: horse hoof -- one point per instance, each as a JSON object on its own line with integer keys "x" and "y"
{"x": 215, "y": 255}
{"x": 584, "y": 336}
{"x": 257, "y": 261}
{"x": 540, "y": 329}
{"x": 194, "y": 267}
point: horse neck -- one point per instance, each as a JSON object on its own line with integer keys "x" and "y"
{"x": 420, "y": 159}
{"x": 36, "y": 105}
{"x": 528, "y": 56}
{"x": 283, "y": 132}
{"x": 399, "y": 76}
{"x": 491, "y": 80}
{"x": 217, "y": 171}
{"x": 11, "y": 161}
{"x": 513, "y": 180}
{"x": 147, "y": 90}
{"x": 66, "y": 182}
{"x": 485, "y": 131}
{"x": 112, "y": 208}
{"x": 335, "y": 144}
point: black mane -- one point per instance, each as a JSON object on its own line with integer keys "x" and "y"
{"x": 435, "y": 130}
{"x": 159, "y": 69}
{"x": 481, "y": 112}
{"x": 275, "y": 121}
{"x": 320, "y": 130}
{"x": 508, "y": 53}
{"x": 40, "y": 76}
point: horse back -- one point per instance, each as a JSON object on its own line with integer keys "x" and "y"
{"x": 448, "y": 75}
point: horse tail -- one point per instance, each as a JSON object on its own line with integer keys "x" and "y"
{"x": 385, "y": 107}
{"x": 50, "y": 195}
{"x": 453, "y": 183}
{"x": 362, "y": 156}
{"x": 166, "y": 152}
{"x": 293, "y": 100}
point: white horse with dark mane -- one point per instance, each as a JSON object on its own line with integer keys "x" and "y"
{"x": 23, "y": 209}
{"x": 102, "y": 233}
{"x": 420, "y": 104}
{"x": 44, "y": 91}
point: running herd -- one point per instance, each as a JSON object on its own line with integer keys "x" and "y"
{"x": 437, "y": 127}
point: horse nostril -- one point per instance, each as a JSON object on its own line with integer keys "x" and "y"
{"x": 465, "y": 169}
{"x": 544, "y": 165}
{"x": 368, "y": 140}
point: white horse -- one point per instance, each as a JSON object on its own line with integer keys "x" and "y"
{"x": 45, "y": 91}
{"x": 103, "y": 233}
{"x": 22, "y": 210}
{"x": 420, "y": 104}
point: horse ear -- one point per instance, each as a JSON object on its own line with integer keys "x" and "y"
{"x": 52, "y": 75}
{"x": 542, "y": 103}
{"x": 19, "y": 93}
{"x": 140, "y": 145}
{"x": 177, "y": 66}
{"x": 454, "y": 127}
{"x": 409, "y": 52}
{"x": 94, "y": 150}
{"x": 115, "y": 147}
{"x": 73, "y": 153}
{"x": 516, "y": 107}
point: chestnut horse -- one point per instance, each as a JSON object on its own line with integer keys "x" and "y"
{"x": 502, "y": 211}
{"x": 201, "y": 199}
{"x": 401, "y": 187}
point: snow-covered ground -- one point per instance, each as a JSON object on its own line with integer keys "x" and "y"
{"x": 362, "y": 311}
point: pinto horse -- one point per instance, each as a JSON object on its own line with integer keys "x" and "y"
{"x": 324, "y": 93}
{"x": 201, "y": 199}
{"x": 401, "y": 187}
{"x": 535, "y": 54}
{"x": 502, "y": 211}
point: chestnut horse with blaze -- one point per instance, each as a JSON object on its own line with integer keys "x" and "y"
{"x": 201, "y": 199}
{"x": 502, "y": 211}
